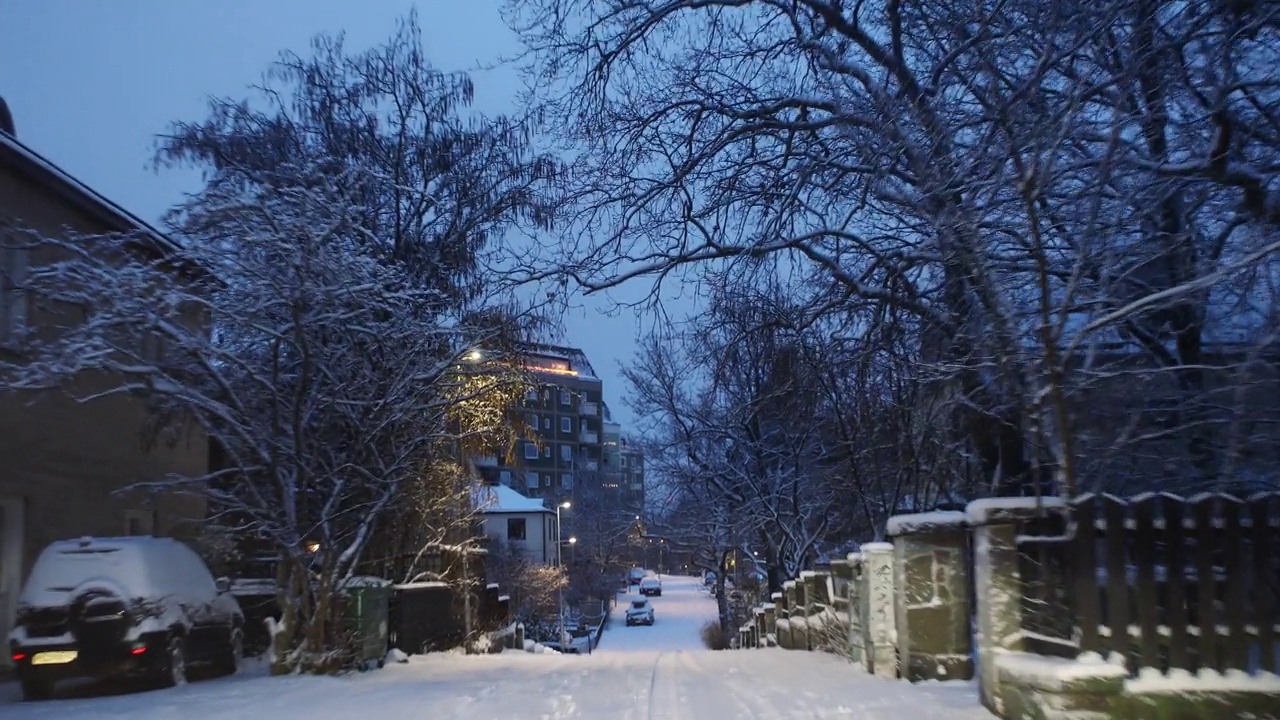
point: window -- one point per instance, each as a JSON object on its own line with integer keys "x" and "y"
{"x": 624, "y": 461}
{"x": 546, "y": 452}
{"x": 566, "y": 481}
{"x": 564, "y": 397}
{"x": 531, "y": 394}
{"x": 13, "y": 299}
{"x": 530, "y": 451}
{"x": 515, "y": 528}
{"x": 504, "y": 477}
{"x": 546, "y": 480}
{"x": 566, "y": 452}
{"x": 566, "y": 424}
{"x": 531, "y": 419}
{"x": 531, "y": 479}
{"x": 546, "y": 423}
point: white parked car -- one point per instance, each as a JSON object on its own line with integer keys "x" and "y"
{"x": 651, "y": 586}
{"x": 640, "y": 612}
{"x": 102, "y": 607}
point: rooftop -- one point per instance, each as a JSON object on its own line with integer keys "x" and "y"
{"x": 502, "y": 499}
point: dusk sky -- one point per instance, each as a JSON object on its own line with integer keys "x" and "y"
{"x": 90, "y": 84}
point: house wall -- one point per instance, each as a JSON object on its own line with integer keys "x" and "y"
{"x": 61, "y": 461}
{"x": 539, "y": 544}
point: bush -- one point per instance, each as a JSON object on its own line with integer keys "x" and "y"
{"x": 713, "y": 636}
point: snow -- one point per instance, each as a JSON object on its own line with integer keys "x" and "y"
{"x": 925, "y": 522}
{"x": 873, "y": 547}
{"x": 639, "y": 672}
{"x": 1151, "y": 680}
{"x": 981, "y": 512}
{"x": 502, "y": 499}
{"x": 423, "y": 584}
{"x": 1051, "y": 673}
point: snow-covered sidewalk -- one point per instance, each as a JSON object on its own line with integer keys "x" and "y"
{"x": 636, "y": 673}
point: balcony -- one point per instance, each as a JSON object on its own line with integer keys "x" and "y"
{"x": 589, "y": 409}
{"x": 589, "y": 438}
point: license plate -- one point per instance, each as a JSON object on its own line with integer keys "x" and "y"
{"x": 58, "y": 657}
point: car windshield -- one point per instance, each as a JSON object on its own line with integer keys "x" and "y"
{"x": 638, "y": 604}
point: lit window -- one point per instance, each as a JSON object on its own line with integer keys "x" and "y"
{"x": 546, "y": 423}
{"x": 566, "y": 424}
{"x": 530, "y": 451}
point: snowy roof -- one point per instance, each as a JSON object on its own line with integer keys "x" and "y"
{"x": 17, "y": 153}
{"x": 502, "y": 499}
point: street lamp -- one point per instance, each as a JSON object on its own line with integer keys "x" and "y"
{"x": 560, "y": 563}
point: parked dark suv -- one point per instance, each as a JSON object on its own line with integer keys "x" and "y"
{"x": 102, "y": 607}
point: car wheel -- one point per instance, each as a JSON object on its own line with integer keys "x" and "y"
{"x": 175, "y": 666}
{"x": 235, "y": 651}
{"x": 34, "y": 689}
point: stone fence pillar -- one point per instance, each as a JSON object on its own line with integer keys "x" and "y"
{"x": 998, "y": 584}
{"x": 931, "y": 575}
{"x": 770, "y": 624}
{"x": 787, "y": 636}
{"x": 881, "y": 653}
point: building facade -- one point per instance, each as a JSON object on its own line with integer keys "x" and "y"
{"x": 520, "y": 523}
{"x": 63, "y": 462}
{"x": 564, "y": 415}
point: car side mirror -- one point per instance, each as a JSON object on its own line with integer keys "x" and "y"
{"x": 222, "y": 585}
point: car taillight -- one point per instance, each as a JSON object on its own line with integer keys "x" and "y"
{"x": 19, "y": 657}
{"x": 138, "y": 649}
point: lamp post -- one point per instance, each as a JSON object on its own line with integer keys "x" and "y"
{"x": 560, "y": 564}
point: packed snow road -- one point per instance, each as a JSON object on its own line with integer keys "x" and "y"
{"x": 637, "y": 673}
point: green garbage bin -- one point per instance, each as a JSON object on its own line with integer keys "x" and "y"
{"x": 366, "y": 614}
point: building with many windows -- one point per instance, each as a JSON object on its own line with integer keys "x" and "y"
{"x": 565, "y": 414}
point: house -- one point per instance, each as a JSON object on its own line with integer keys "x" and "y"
{"x": 522, "y": 523}
{"x": 61, "y": 461}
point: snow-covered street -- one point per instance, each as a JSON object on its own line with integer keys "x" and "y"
{"x": 636, "y": 673}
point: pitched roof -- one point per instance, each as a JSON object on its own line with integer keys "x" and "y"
{"x": 502, "y": 499}
{"x": 15, "y": 153}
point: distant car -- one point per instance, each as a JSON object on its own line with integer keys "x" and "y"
{"x": 635, "y": 576}
{"x": 639, "y": 613}
{"x": 651, "y": 586}
{"x": 105, "y": 607}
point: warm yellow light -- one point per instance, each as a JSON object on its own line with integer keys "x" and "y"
{"x": 554, "y": 371}
{"x": 313, "y": 547}
{"x": 474, "y": 356}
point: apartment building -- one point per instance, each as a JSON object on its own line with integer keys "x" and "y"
{"x": 566, "y": 408}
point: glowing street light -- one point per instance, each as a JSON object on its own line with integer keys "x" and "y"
{"x": 572, "y": 539}
{"x": 473, "y": 356}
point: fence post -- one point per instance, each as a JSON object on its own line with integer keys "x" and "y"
{"x": 805, "y": 599}
{"x": 786, "y": 633}
{"x": 931, "y": 575}
{"x": 881, "y": 651}
{"x": 771, "y": 620}
{"x": 998, "y": 583}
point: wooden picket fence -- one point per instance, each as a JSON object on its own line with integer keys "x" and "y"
{"x": 1167, "y": 582}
